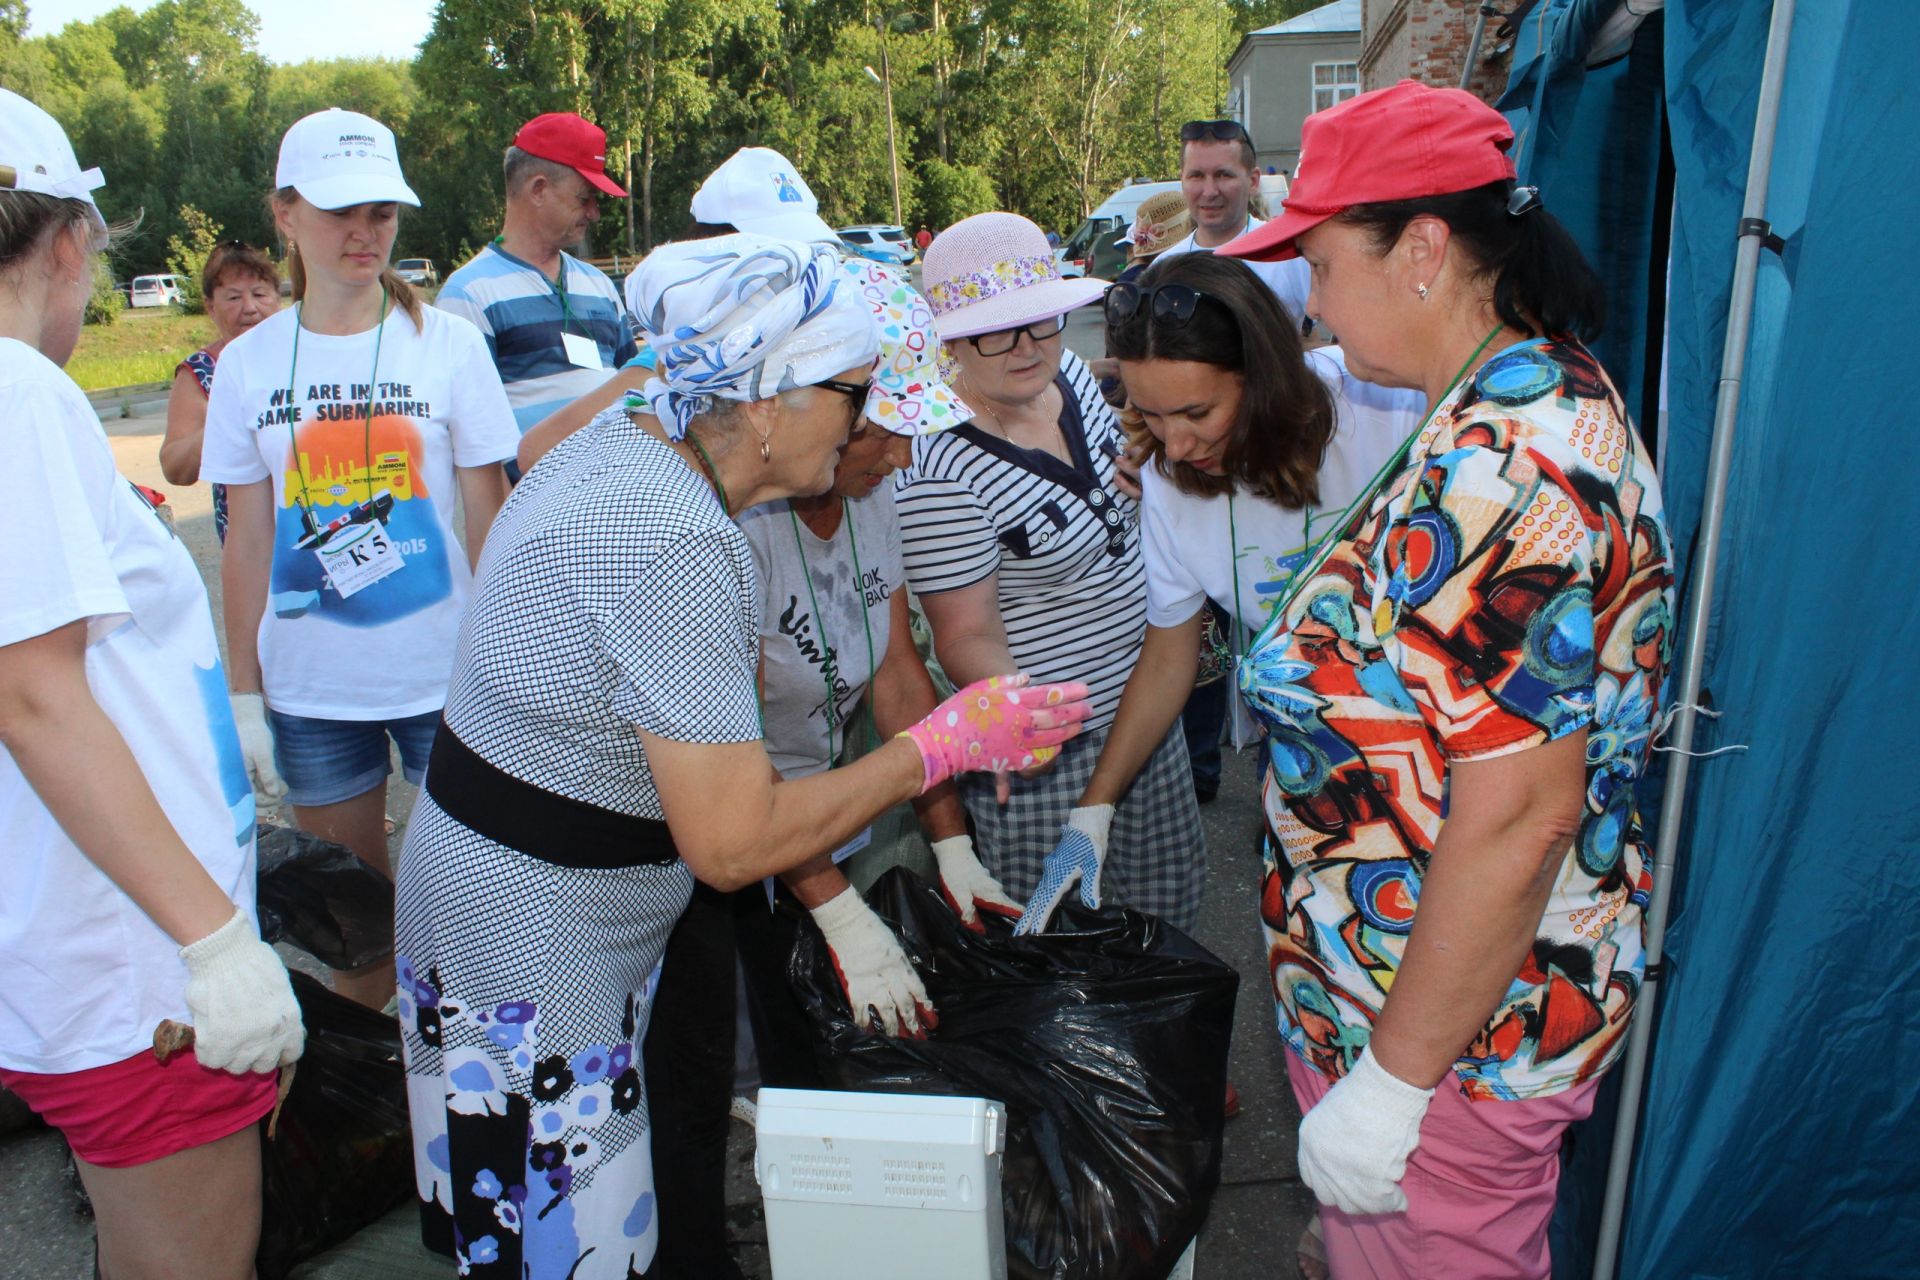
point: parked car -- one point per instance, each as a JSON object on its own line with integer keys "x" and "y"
{"x": 880, "y": 243}
{"x": 155, "y": 291}
{"x": 420, "y": 271}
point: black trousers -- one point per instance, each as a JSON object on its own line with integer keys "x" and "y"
{"x": 689, "y": 1057}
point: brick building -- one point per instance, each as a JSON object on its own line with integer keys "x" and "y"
{"x": 1426, "y": 40}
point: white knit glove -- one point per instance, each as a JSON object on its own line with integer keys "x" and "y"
{"x": 967, "y": 885}
{"x": 1355, "y": 1142}
{"x": 1079, "y": 857}
{"x": 878, "y": 977}
{"x": 256, "y": 744}
{"x": 244, "y": 1014}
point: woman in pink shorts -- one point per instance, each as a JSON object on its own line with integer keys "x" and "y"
{"x": 126, "y": 816}
{"x": 1459, "y": 695}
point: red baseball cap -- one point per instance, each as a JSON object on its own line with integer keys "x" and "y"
{"x": 571, "y": 140}
{"x": 1401, "y": 143}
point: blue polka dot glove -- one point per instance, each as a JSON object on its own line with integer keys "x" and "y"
{"x": 1078, "y": 857}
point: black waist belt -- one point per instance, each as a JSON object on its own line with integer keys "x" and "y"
{"x": 540, "y": 824}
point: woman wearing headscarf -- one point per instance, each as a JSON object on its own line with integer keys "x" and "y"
{"x": 1460, "y": 689}
{"x": 601, "y": 747}
{"x": 1025, "y": 555}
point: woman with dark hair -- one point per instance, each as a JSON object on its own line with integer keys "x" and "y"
{"x": 1460, "y": 691}
{"x": 240, "y": 287}
{"x": 1253, "y": 446}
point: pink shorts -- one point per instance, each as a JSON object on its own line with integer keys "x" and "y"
{"x": 138, "y": 1111}
{"x": 1480, "y": 1189}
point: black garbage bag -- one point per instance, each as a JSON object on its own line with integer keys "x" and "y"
{"x": 1107, "y": 1041}
{"x": 316, "y": 895}
{"x": 341, "y": 1155}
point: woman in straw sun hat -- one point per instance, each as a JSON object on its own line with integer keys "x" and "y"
{"x": 1025, "y": 554}
{"x": 125, "y": 812}
{"x": 601, "y": 747}
{"x": 1460, "y": 695}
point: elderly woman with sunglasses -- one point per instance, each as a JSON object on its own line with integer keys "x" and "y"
{"x": 601, "y": 747}
{"x": 1025, "y": 554}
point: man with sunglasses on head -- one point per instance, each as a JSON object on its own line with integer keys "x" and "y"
{"x": 1218, "y": 177}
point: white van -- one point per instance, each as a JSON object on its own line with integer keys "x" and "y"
{"x": 1114, "y": 215}
{"x": 154, "y": 291}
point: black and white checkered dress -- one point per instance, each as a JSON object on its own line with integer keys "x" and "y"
{"x": 613, "y": 595}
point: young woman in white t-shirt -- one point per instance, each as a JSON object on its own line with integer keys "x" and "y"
{"x": 343, "y": 428}
{"x": 125, "y": 814}
{"x": 1255, "y": 447}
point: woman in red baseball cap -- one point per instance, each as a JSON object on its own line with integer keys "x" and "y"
{"x": 1459, "y": 695}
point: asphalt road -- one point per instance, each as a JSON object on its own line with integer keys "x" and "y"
{"x": 1256, "y": 1218}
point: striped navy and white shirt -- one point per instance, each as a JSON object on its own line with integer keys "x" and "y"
{"x": 521, "y": 315}
{"x": 1063, "y": 539}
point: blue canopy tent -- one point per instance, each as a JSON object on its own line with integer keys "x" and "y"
{"x": 1776, "y": 1133}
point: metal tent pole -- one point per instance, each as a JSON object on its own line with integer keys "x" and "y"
{"x": 1473, "y": 45}
{"x": 1753, "y": 234}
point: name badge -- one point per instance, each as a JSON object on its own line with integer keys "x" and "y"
{"x": 583, "y": 353}
{"x": 359, "y": 556}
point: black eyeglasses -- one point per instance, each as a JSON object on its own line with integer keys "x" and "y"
{"x": 1214, "y": 131}
{"x": 856, "y": 392}
{"x": 1171, "y": 303}
{"x": 1005, "y": 340}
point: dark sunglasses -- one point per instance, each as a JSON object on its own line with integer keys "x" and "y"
{"x": 1005, "y": 340}
{"x": 1172, "y": 303}
{"x": 1214, "y": 131}
{"x": 856, "y": 392}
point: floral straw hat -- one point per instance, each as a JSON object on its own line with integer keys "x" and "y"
{"x": 995, "y": 271}
{"x": 910, "y": 397}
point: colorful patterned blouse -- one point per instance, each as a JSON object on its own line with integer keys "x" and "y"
{"x": 1511, "y": 586}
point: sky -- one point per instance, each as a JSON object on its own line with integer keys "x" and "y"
{"x": 290, "y": 30}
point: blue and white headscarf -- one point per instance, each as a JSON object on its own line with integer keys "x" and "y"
{"x": 744, "y": 317}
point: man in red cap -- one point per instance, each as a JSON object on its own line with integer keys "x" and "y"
{"x": 556, "y": 326}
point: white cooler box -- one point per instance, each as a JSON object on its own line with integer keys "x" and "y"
{"x": 881, "y": 1185}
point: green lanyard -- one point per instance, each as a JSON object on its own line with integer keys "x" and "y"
{"x": 558, "y": 286}
{"x": 373, "y": 377}
{"x": 1317, "y": 556}
{"x": 829, "y": 667}
{"x": 1233, "y": 546}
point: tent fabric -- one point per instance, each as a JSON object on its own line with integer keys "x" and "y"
{"x": 1781, "y": 1105}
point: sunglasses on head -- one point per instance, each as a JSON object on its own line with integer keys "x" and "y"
{"x": 1172, "y": 304}
{"x": 1214, "y": 131}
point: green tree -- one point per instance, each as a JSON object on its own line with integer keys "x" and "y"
{"x": 187, "y": 256}
{"x": 950, "y": 192}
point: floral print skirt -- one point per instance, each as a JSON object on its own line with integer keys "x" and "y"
{"x": 524, "y": 993}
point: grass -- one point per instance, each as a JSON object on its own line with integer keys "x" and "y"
{"x": 143, "y": 346}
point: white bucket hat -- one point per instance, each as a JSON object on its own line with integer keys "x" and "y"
{"x": 36, "y": 156}
{"x": 995, "y": 271}
{"x": 337, "y": 158}
{"x": 909, "y": 397}
{"x": 759, "y": 191}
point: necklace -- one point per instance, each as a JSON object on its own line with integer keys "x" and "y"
{"x": 713, "y": 475}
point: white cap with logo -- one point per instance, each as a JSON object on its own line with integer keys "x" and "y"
{"x": 758, "y": 190}
{"x": 36, "y": 156}
{"x": 336, "y": 158}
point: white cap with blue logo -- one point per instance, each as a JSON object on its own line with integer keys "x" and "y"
{"x": 759, "y": 191}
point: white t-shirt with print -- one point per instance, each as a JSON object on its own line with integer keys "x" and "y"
{"x": 88, "y": 973}
{"x": 384, "y": 649}
{"x": 1186, "y": 536}
{"x": 795, "y": 643}
{"x": 1290, "y": 281}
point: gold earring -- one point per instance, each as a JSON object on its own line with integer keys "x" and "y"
{"x": 766, "y": 446}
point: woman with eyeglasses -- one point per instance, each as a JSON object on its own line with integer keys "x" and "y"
{"x": 1025, "y": 555}
{"x": 240, "y": 287}
{"x": 602, "y": 746}
{"x": 1253, "y": 446}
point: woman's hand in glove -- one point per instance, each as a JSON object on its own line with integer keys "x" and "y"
{"x": 245, "y": 1018}
{"x": 878, "y": 978}
{"x": 967, "y": 886}
{"x": 1355, "y": 1142}
{"x": 996, "y": 726}
{"x": 256, "y": 744}
{"x": 1079, "y": 856}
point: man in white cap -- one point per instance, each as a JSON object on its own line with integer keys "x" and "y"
{"x": 556, "y": 325}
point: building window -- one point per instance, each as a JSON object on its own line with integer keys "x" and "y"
{"x": 1334, "y": 82}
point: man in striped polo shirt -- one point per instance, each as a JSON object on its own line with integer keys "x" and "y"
{"x": 556, "y": 327}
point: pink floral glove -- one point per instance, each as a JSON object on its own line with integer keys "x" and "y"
{"x": 998, "y": 725}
